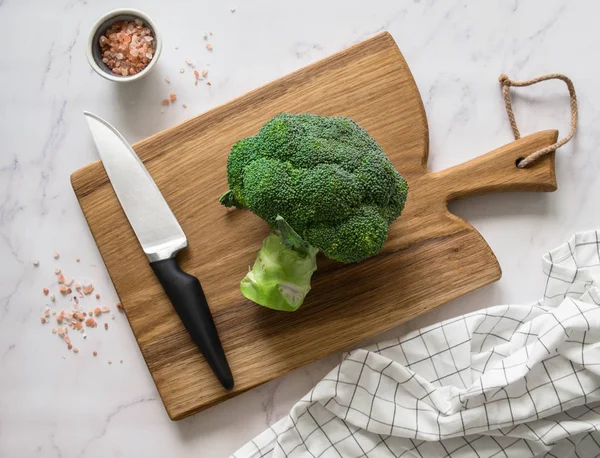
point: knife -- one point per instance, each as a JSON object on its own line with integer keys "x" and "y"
{"x": 161, "y": 238}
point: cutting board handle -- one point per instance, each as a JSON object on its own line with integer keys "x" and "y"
{"x": 497, "y": 170}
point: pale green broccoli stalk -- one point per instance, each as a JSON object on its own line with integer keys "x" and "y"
{"x": 328, "y": 181}
{"x": 280, "y": 277}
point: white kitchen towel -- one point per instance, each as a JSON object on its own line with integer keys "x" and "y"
{"x": 507, "y": 381}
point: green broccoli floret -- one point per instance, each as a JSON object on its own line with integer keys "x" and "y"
{"x": 322, "y": 184}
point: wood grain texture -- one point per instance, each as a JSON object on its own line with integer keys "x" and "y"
{"x": 430, "y": 258}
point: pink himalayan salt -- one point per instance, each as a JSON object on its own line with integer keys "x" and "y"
{"x": 127, "y": 47}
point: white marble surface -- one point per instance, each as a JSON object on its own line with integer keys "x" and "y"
{"x": 57, "y": 404}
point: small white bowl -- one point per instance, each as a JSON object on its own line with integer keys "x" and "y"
{"x": 94, "y": 54}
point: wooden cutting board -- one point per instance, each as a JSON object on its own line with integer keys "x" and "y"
{"x": 430, "y": 258}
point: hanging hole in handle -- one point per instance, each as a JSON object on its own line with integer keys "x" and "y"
{"x": 518, "y": 161}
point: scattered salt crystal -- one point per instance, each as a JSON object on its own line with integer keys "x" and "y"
{"x": 166, "y": 101}
{"x": 184, "y": 106}
{"x": 84, "y": 335}
{"x": 181, "y": 70}
{"x": 119, "y": 306}
{"x": 232, "y": 10}
{"x": 204, "y": 73}
{"x": 46, "y": 291}
{"x": 61, "y": 278}
{"x": 56, "y": 255}
{"x": 175, "y": 46}
{"x": 105, "y": 309}
{"x": 75, "y": 350}
{"x": 43, "y": 319}
{"x": 112, "y": 317}
{"x": 57, "y": 271}
{"x": 53, "y": 330}
{"x": 68, "y": 281}
{"x": 168, "y": 80}
{"x": 62, "y": 289}
{"x": 189, "y": 62}
{"x": 97, "y": 296}
{"x": 173, "y": 97}
{"x": 69, "y": 346}
{"x": 210, "y": 33}
{"x": 209, "y": 46}
{"x": 77, "y": 259}
{"x": 105, "y": 325}
{"x": 121, "y": 361}
{"x": 208, "y": 83}
{"x": 205, "y": 36}
{"x": 67, "y": 339}
{"x": 109, "y": 361}
{"x": 88, "y": 289}
{"x": 97, "y": 311}
{"x": 36, "y": 263}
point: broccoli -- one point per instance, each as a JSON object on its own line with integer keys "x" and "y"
{"x": 322, "y": 184}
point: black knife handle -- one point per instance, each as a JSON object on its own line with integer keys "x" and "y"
{"x": 186, "y": 295}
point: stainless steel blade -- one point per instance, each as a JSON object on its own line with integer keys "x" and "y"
{"x": 148, "y": 213}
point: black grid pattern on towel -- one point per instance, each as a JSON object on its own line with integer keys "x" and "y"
{"x": 329, "y": 427}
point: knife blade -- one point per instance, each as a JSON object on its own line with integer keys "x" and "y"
{"x": 161, "y": 238}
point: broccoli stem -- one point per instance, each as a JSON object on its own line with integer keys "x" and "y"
{"x": 280, "y": 277}
{"x": 289, "y": 237}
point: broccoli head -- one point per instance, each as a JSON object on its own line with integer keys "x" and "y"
{"x": 324, "y": 178}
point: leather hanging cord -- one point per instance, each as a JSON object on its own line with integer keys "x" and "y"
{"x": 506, "y": 83}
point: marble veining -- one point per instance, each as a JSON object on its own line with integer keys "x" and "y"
{"x": 54, "y": 403}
